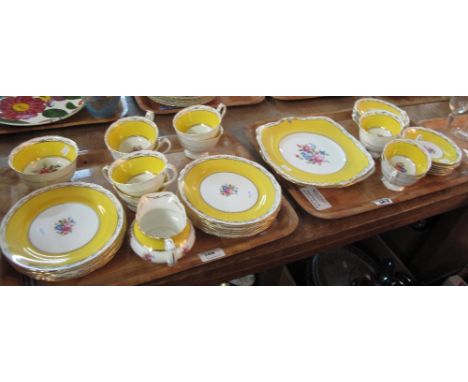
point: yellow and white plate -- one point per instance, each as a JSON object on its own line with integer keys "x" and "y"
{"x": 229, "y": 191}
{"x": 63, "y": 227}
{"x": 314, "y": 151}
{"x": 442, "y": 149}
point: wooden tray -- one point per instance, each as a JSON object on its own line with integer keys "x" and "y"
{"x": 340, "y": 108}
{"x": 126, "y": 268}
{"x": 293, "y": 98}
{"x": 148, "y": 105}
{"x": 83, "y": 117}
{"x": 441, "y": 124}
{"x": 367, "y": 195}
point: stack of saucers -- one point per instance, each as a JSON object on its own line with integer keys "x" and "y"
{"x": 181, "y": 101}
{"x": 229, "y": 196}
{"x": 445, "y": 154}
{"x": 63, "y": 231}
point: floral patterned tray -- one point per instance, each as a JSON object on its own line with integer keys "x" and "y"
{"x": 126, "y": 268}
{"x": 367, "y": 195}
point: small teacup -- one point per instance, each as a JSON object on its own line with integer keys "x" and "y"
{"x": 403, "y": 163}
{"x": 195, "y": 149}
{"x": 199, "y": 122}
{"x": 377, "y": 128}
{"x": 43, "y": 161}
{"x": 161, "y": 215}
{"x": 131, "y": 134}
{"x": 140, "y": 173}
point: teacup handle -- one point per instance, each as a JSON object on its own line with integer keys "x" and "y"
{"x": 162, "y": 141}
{"x": 105, "y": 173}
{"x": 221, "y": 109}
{"x": 149, "y": 115}
{"x": 393, "y": 175}
{"x": 173, "y": 176}
{"x": 170, "y": 246}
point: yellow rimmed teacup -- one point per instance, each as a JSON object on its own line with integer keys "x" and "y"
{"x": 377, "y": 128}
{"x": 140, "y": 173}
{"x": 199, "y": 122}
{"x": 131, "y": 134}
{"x": 403, "y": 163}
{"x": 43, "y": 161}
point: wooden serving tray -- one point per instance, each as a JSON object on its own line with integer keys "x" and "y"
{"x": 293, "y": 98}
{"x": 370, "y": 194}
{"x": 342, "y": 107}
{"x": 126, "y": 268}
{"x": 148, "y": 105}
{"x": 83, "y": 117}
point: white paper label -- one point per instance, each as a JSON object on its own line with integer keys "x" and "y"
{"x": 211, "y": 255}
{"x": 383, "y": 202}
{"x": 315, "y": 198}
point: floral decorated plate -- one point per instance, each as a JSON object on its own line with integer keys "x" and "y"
{"x": 441, "y": 148}
{"x": 40, "y": 110}
{"x": 62, "y": 227}
{"x": 226, "y": 188}
{"x": 314, "y": 151}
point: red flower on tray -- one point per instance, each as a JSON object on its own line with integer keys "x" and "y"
{"x": 21, "y": 107}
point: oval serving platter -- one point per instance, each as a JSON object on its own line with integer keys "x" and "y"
{"x": 314, "y": 151}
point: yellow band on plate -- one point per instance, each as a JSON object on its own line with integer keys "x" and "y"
{"x": 17, "y": 228}
{"x": 265, "y": 188}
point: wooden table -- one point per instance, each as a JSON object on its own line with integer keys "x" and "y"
{"x": 313, "y": 234}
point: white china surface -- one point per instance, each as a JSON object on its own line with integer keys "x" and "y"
{"x": 229, "y": 192}
{"x": 64, "y": 228}
{"x": 135, "y": 143}
{"x": 403, "y": 164}
{"x": 46, "y": 165}
{"x": 313, "y": 153}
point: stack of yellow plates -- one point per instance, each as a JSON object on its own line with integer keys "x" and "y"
{"x": 181, "y": 101}
{"x": 229, "y": 196}
{"x": 445, "y": 154}
{"x": 314, "y": 151}
{"x": 63, "y": 231}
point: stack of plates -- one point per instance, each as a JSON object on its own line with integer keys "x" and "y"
{"x": 229, "y": 196}
{"x": 63, "y": 231}
{"x": 314, "y": 151}
{"x": 445, "y": 154}
{"x": 181, "y": 101}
